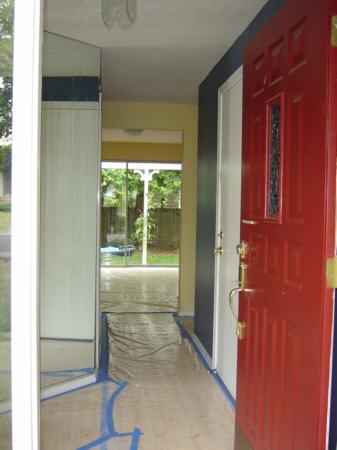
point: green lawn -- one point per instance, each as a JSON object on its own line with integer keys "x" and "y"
{"x": 4, "y": 295}
{"x": 154, "y": 258}
{"x": 5, "y": 220}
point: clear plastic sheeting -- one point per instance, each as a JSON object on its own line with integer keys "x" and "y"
{"x": 144, "y": 345}
{"x": 136, "y": 289}
{"x": 170, "y": 395}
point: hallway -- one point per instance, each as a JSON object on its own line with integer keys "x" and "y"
{"x": 139, "y": 289}
{"x": 153, "y": 390}
{"x": 169, "y": 395}
{"x": 154, "y": 393}
{"x": 173, "y": 399}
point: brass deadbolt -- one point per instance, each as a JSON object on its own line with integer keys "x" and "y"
{"x": 242, "y": 249}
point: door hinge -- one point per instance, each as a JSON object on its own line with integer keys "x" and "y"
{"x": 331, "y": 272}
{"x": 334, "y": 31}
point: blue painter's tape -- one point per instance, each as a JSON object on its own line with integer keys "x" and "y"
{"x": 104, "y": 427}
{"x": 134, "y": 435}
{"x": 215, "y": 376}
{"x": 59, "y": 373}
{"x": 109, "y": 409}
{"x": 107, "y": 426}
{"x": 62, "y": 394}
{"x": 104, "y": 440}
{"x": 104, "y": 357}
{"x": 224, "y": 389}
{"x": 135, "y": 439}
{"x": 67, "y": 373}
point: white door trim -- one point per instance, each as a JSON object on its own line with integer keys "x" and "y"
{"x": 25, "y": 225}
{"x": 228, "y": 84}
{"x": 98, "y": 241}
{"x": 68, "y": 386}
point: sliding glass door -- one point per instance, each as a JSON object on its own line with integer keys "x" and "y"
{"x": 140, "y": 214}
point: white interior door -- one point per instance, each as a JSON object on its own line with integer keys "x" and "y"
{"x": 228, "y": 225}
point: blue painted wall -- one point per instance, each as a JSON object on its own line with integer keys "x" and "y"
{"x": 207, "y": 156}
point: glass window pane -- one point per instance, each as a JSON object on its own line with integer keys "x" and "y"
{"x": 136, "y": 217}
{"x": 274, "y": 160}
{"x": 6, "y": 41}
{"x": 164, "y": 215}
{"x": 113, "y": 214}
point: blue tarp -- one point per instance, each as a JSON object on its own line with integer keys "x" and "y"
{"x": 119, "y": 251}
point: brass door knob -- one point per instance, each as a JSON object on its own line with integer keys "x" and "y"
{"x": 218, "y": 251}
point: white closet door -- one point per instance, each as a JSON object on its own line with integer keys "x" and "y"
{"x": 69, "y": 158}
{"x": 228, "y": 224}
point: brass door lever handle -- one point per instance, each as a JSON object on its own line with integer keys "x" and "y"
{"x": 240, "y": 326}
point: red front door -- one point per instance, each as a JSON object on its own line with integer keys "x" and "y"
{"x": 287, "y": 220}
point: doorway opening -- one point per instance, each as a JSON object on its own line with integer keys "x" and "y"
{"x": 140, "y": 236}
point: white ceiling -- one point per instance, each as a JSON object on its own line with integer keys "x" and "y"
{"x": 169, "y": 51}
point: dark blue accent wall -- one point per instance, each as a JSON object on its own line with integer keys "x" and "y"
{"x": 70, "y": 89}
{"x": 207, "y": 159}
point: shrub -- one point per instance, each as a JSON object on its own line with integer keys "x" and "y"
{"x": 5, "y": 206}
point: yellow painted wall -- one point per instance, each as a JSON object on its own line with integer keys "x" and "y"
{"x": 139, "y": 151}
{"x": 159, "y": 116}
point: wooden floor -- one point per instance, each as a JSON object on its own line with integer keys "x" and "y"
{"x": 157, "y": 388}
{"x": 156, "y": 395}
{"x": 170, "y": 395}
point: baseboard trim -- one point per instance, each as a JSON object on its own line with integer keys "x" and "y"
{"x": 185, "y": 314}
{"x": 67, "y": 387}
{"x": 57, "y": 390}
{"x": 203, "y": 351}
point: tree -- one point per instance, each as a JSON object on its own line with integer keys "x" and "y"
{"x": 6, "y": 67}
{"x": 113, "y": 187}
{"x": 167, "y": 183}
{"x": 6, "y": 82}
{"x": 113, "y": 183}
{"x": 6, "y": 38}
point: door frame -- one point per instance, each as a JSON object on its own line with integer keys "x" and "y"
{"x": 25, "y": 224}
{"x": 25, "y": 233}
{"x": 234, "y": 78}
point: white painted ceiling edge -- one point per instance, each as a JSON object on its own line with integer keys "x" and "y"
{"x": 167, "y": 54}
{"x": 142, "y": 136}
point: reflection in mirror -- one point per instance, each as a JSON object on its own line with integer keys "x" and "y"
{"x": 6, "y": 45}
{"x": 69, "y": 184}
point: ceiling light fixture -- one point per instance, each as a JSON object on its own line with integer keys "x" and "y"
{"x": 133, "y": 132}
{"x": 124, "y": 12}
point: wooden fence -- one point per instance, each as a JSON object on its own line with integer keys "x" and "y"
{"x": 166, "y": 231}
